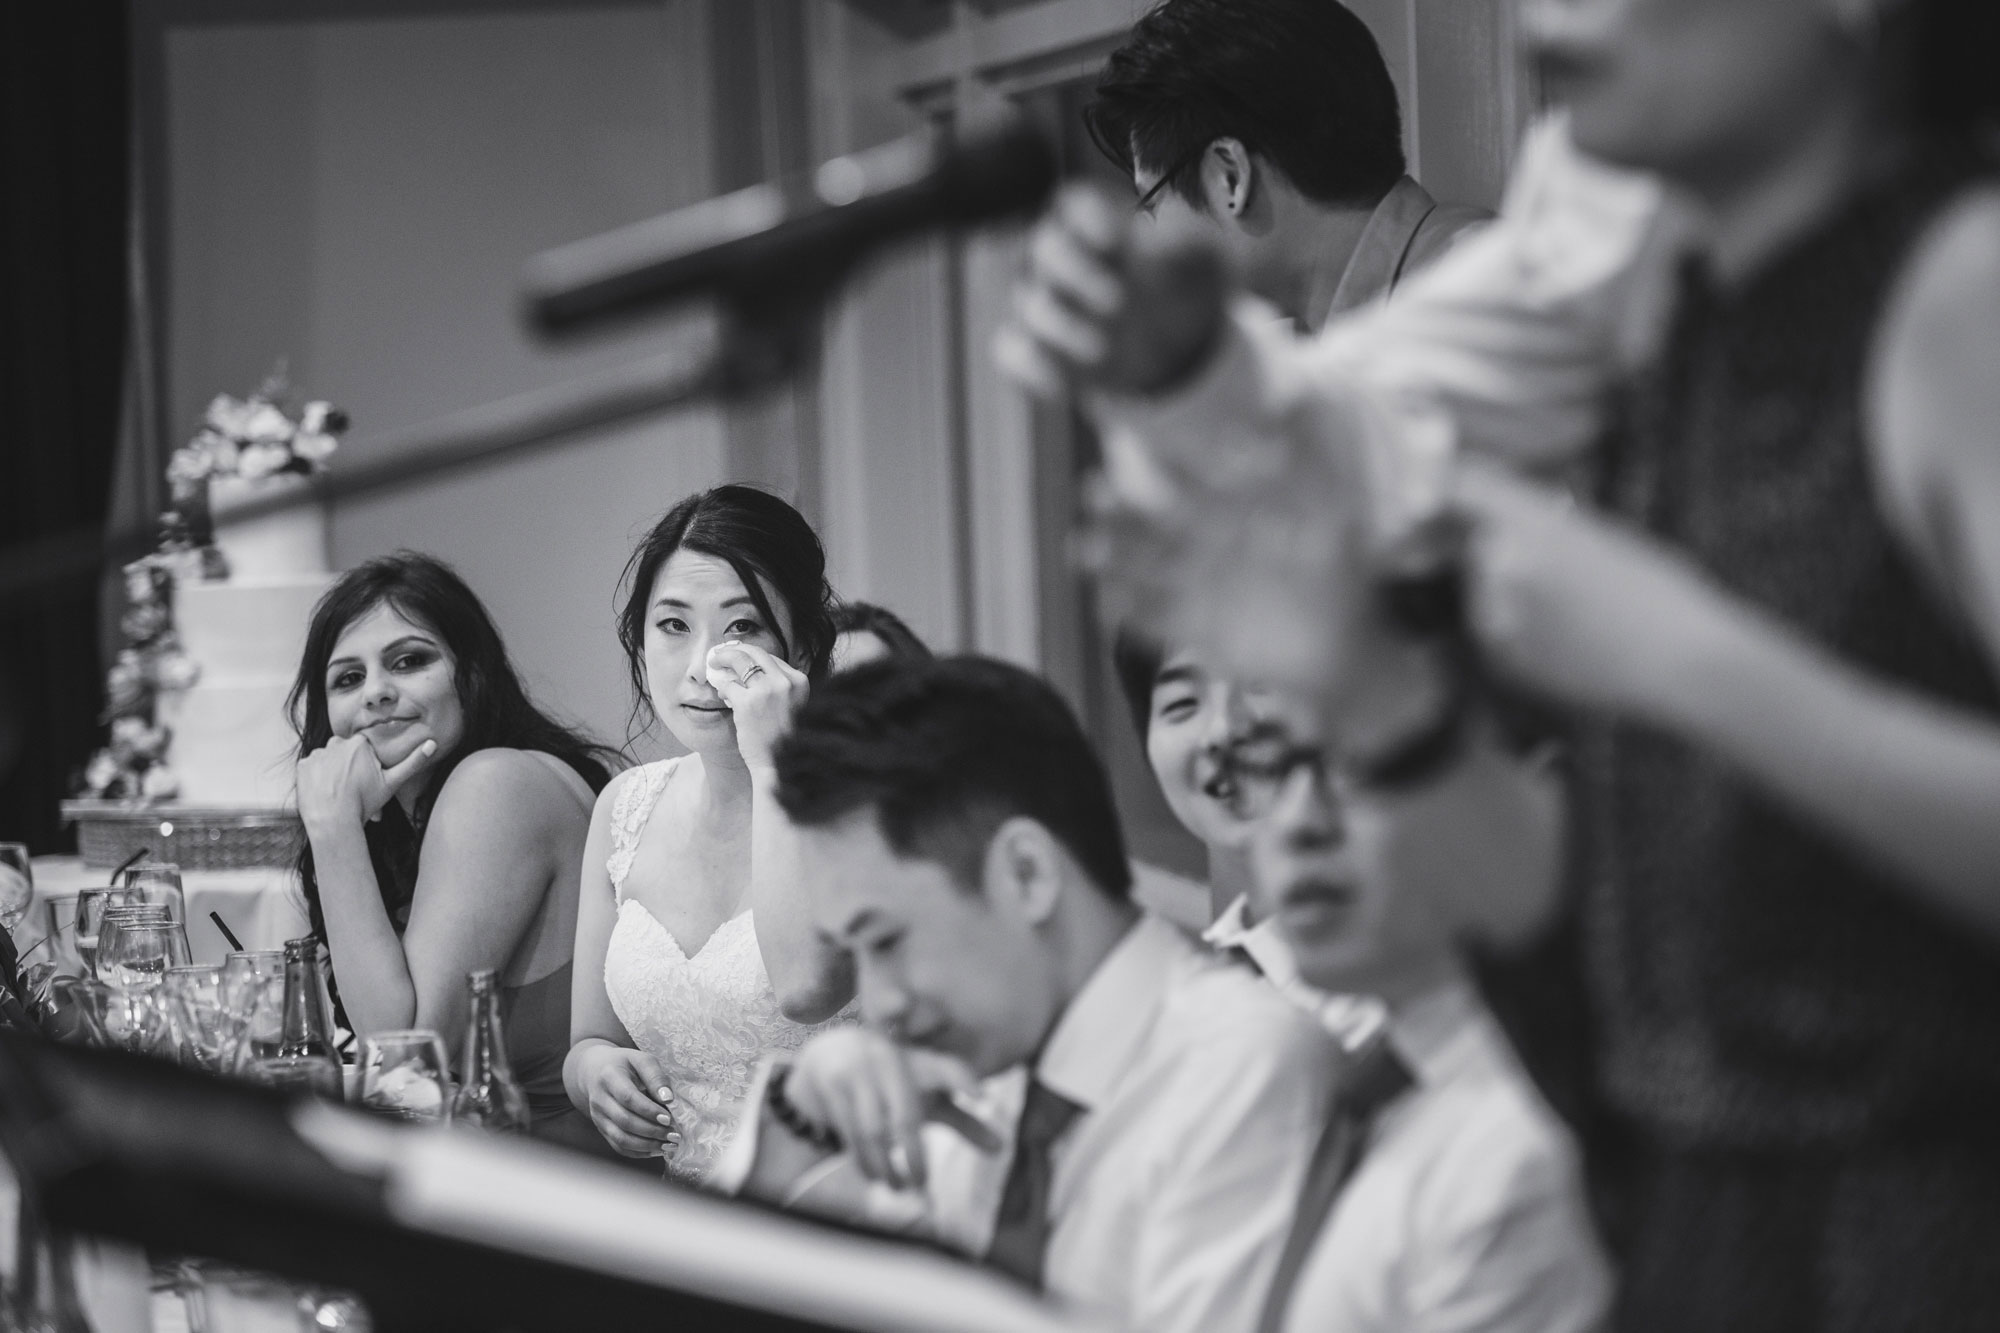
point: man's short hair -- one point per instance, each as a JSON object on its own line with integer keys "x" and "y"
{"x": 1300, "y": 83}
{"x": 944, "y": 752}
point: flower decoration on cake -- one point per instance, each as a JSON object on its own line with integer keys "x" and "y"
{"x": 256, "y": 437}
{"x": 133, "y": 766}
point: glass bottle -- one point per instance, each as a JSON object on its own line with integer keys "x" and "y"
{"x": 488, "y": 1096}
{"x": 305, "y": 1058}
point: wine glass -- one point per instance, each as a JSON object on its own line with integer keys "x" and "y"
{"x": 159, "y": 882}
{"x": 115, "y": 920}
{"x": 194, "y": 1001}
{"x": 403, "y": 1074}
{"x": 17, "y": 884}
{"x": 141, "y": 951}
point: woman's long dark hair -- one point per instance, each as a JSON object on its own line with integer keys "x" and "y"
{"x": 496, "y": 708}
{"x": 764, "y": 540}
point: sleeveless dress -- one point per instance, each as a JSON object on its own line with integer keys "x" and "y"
{"x": 709, "y": 1019}
{"x": 1809, "y": 1053}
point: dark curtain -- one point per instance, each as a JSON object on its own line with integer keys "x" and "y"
{"x": 64, "y": 171}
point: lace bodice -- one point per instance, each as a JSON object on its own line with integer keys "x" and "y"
{"x": 709, "y": 1019}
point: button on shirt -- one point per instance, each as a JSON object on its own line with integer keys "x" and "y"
{"x": 1171, "y": 1193}
{"x": 1466, "y": 1211}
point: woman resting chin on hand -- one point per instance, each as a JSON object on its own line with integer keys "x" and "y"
{"x": 445, "y": 817}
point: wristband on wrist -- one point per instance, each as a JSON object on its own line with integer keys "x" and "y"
{"x": 819, "y": 1136}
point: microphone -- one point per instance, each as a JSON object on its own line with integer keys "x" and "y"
{"x": 787, "y": 242}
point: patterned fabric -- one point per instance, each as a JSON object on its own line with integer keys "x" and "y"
{"x": 1760, "y": 986}
{"x": 709, "y": 1019}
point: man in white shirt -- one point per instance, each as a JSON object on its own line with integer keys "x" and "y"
{"x": 1459, "y": 1205}
{"x": 965, "y": 851}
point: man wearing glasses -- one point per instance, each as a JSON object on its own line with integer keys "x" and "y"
{"x": 1275, "y": 124}
{"x": 1444, "y": 1193}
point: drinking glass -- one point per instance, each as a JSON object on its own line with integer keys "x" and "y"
{"x": 403, "y": 1075}
{"x": 141, "y": 951}
{"x": 114, "y": 922}
{"x": 194, "y": 1002}
{"x": 253, "y": 1003}
{"x": 159, "y": 882}
{"x": 91, "y": 905}
{"x": 17, "y": 884}
{"x": 59, "y": 920}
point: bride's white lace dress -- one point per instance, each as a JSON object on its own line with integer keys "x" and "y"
{"x": 709, "y": 1019}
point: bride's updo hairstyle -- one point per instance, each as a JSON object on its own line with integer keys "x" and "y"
{"x": 767, "y": 542}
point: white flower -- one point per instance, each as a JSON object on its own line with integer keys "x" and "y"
{"x": 103, "y": 771}
{"x": 128, "y": 734}
{"x": 175, "y": 671}
{"x": 228, "y": 416}
{"x": 267, "y": 423}
{"x": 261, "y": 460}
{"x": 313, "y": 420}
{"x": 221, "y": 449}
{"x": 159, "y": 783}
{"x": 189, "y": 466}
{"x": 313, "y": 445}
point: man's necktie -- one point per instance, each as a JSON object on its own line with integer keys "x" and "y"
{"x": 1374, "y": 1077}
{"x": 1021, "y": 1231}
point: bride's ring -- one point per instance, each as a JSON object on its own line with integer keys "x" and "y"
{"x": 752, "y": 673}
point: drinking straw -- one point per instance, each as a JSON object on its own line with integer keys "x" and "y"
{"x": 227, "y": 933}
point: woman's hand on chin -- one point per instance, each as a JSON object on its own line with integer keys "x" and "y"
{"x": 343, "y": 785}
{"x": 762, "y": 692}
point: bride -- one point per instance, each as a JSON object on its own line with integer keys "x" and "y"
{"x": 687, "y": 916}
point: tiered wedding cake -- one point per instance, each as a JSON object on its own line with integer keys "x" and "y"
{"x": 198, "y": 768}
{"x": 232, "y": 744}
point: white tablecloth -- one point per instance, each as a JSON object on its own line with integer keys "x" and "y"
{"x": 263, "y": 907}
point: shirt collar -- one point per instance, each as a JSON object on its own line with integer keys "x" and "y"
{"x": 1107, "y": 1021}
{"x": 1437, "y": 1032}
{"x": 1378, "y": 256}
{"x": 1267, "y": 949}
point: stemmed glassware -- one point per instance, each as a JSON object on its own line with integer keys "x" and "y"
{"x": 135, "y": 962}
{"x": 159, "y": 882}
{"x": 115, "y": 920}
{"x": 59, "y": 920}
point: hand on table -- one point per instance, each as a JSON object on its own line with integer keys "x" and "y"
{"x": 878, "y": 1095}
{"x": 630, "y": 1101}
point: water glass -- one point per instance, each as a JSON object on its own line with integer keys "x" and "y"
{"x": 59, "y": 923}
{"x": 17, "y": 884}
{"x": 116, "y": 921}
{"x": 194, "y": 1002}
{"x": 91, "y": 905}
{"x": 253, "y": 1003}
{"x": 140, "y": 952}
{"x": 404, "y": 1074}
{"x": 159, "y": 882}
